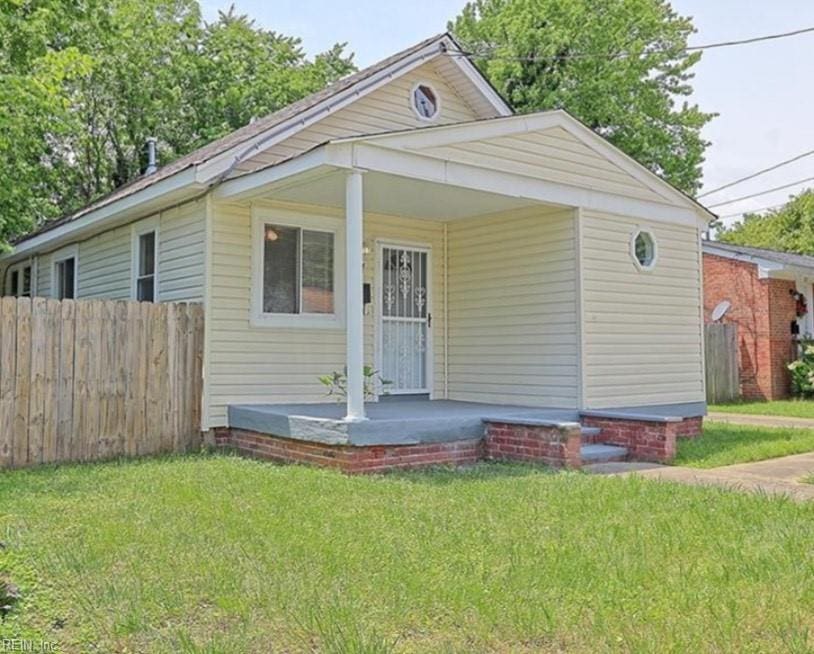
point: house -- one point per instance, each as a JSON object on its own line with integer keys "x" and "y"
{"x": 770, "y": 294}
{"x": 516, "y": 271}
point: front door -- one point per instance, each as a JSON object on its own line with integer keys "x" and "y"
{"x": 405, "y": 319}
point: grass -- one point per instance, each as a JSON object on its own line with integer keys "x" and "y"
{"x": 724, "y": 444}
{"x": 217, "y": 554}
{"x": 787, "y": 408}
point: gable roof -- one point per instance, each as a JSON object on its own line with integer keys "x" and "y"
{"x": 244, "y": 136}
{"x": 758, "y": 255}
{"x": 432, "y": 139}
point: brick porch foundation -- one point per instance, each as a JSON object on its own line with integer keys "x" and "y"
{"x": 350, "y": 458}
{"x": 557, "y": 446}
{"x": 646, "y": 440}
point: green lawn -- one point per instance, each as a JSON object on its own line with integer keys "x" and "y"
{"x": 724, "y": 444}
{"x": 790, "y": 408}
{"x": 218, "y": 554}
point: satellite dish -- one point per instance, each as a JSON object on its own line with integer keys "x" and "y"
{"x": 720, "y": 311}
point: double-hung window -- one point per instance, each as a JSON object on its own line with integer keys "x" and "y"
{"x": 20, "y": 280}
{"x": 63, "y": 273}
{"x": 295, "y": 279}
{"x": 145, "y": 261}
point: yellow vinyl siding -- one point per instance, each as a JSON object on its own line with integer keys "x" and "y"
{"x": 268, "y": 364}
{"x": 642, "y": 329}
{"x": 512, "y": 309}
{"x": 553, "y": 155}
{"x": 181, "y": 244}
{"x": 104, "y": 268}
{"x": 385, "y": 109}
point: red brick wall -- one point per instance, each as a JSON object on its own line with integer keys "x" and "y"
{"x": 555, "y": 446}
{"x": 348, "y": 458}
{"x": 763, "y": 310}
{"x": 646, "y": 441}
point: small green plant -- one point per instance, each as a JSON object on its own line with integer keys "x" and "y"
{"x": 802, "y": 371}
{"x": 337, "y": 383}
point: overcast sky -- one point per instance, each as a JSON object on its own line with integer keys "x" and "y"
{"x": 763, "y": 92}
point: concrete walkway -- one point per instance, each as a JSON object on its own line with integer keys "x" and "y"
{"x": 760, "y": 421}
{"x": 775, "y": 476}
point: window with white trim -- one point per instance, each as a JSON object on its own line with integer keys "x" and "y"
{"x": 297, "y": 271}
{"x": 643, "y": 249}
{"x": 145, "y": 285}
{"x": 65, "y": 278}
{"x": 425, "y": 101}
{"x": 20, "y": 280}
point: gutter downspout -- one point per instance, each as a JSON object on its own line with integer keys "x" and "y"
{"x": 446, "y": 312}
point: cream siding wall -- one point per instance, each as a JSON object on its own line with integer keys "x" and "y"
{"x": 263, "y": 364}
{"x": 385, "y": 109}
{"x": 181, "y": 247}
{"x": 513, "y": 309}
{"x": 642, "y": 341}
{"x": 105, "y": 260}
{"x": 554, "y": 155}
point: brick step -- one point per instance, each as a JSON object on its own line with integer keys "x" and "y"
{"x": 601, "y": 453}
{"x": 591, "y": 434}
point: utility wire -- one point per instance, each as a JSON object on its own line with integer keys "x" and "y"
{"x": 760, "y": 210}
{"x": 754, "y": 195}
{"x": 758, "y": 173}
{"x": 616, "y": 55}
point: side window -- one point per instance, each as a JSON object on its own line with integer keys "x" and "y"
{"x": 145, "y": 267}
{"x": 65, "y": 279}
{"x": 20, "y": 280}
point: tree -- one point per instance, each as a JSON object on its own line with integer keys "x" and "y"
{"x": 84, "y": 84}
{"x": 620, "y": 66}
{"x": 789, "y": 228}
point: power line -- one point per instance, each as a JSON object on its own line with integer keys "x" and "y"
{"x": 617, "y": 55}
{"x": 761, "y": 209}
{"x": 754, "y": 195}
{"x": 758, "y": 173}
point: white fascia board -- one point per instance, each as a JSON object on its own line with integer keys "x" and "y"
{"x": 315, "y": 163}
{"x": 177, "y": 187}
{"x": 476, "y": 77}
{"x": 433, "y": 169}
{"x": 222, "y": 162}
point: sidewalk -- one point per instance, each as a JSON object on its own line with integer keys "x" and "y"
{"x": 775, "y": 476}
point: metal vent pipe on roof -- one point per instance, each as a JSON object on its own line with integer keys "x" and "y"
{"x": 152, "y": 166}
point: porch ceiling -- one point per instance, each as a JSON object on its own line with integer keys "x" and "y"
{"x": 396, "y": 195}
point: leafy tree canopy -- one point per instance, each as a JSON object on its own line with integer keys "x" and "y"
{"x": 84, "y": 83}
{"x": 534, "y": 52}
{"x": 789, "y": 228}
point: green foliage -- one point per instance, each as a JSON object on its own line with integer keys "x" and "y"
{"x": 337, "y": 383}
{"x": 789, "y": 228}
{"x": 84, "y": 84}
{"x": 633, "y": 97}
{"x": 802, "y": 372}
{"x": 787, "y": 408}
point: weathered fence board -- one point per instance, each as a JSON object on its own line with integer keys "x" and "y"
{"x": 722, "y": 362}
{"x": 96, "y": 379}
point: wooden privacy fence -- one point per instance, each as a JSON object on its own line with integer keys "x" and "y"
{"x": 94, "y": 379}
{"x": 722, "y": 362}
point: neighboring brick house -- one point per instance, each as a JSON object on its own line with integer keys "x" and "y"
{"x": 767, "y": 290}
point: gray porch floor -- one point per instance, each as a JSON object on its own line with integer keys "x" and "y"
{"x": 410, "y": 422}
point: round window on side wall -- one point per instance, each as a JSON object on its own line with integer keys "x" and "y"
{"x": 643, "y": 249}
{"x": 425, "y": 102}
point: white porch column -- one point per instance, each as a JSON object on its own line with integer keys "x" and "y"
{"x": 354, "y": 311}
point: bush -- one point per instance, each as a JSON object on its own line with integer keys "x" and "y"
{"x": 802, "y": 372}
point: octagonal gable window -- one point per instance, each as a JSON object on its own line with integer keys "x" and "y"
{"x": 425, "y": 101}
{"x": 643, "y": 250}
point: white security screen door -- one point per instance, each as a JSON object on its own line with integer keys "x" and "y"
{"x": 405, "y": 319}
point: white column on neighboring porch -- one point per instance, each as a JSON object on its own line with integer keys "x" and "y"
{"x": 354, "y": 243}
